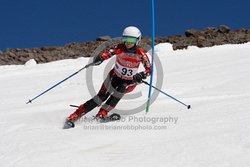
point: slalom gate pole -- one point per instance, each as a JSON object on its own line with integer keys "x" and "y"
{"x": 60, "y": 82}
{"x": 152, "y": 60}
{"x": 188, "y": 106}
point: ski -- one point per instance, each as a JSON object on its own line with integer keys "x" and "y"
{"x": 113, "y": 117}
{"x": 68, "y": 124}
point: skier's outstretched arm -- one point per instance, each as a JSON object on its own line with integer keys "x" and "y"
{"x": 104, "y": 56}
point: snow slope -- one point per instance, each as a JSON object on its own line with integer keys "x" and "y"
{"x": 215, "y": 132}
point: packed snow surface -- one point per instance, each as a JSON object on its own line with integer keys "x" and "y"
{"x": 214, "y": 133}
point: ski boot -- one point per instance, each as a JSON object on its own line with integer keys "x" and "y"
{"x": 103, "y": 117}
{"x": 70, "y": 121}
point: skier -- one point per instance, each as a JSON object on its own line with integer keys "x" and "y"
{"x": 122, "y": 79}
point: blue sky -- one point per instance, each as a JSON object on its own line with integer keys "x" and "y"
{"x": 34, "y": 23}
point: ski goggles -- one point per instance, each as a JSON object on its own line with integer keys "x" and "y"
{"x": 129, "y": 40}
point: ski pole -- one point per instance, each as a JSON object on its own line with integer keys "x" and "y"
{"x": 90, "y": 64}
{"x": 188, "y": 106}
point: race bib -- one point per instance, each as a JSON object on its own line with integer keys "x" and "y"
{"x": 125, "y": 71}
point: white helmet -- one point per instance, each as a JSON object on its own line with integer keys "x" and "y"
{"x": 132, "y": 31}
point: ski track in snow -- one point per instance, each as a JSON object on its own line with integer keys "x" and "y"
{"x": 214, "y": 133}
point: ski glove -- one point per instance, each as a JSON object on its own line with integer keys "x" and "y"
{"x": 138, "y": 77}
{"x": 98, "y": 60}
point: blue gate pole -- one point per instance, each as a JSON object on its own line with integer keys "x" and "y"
{"x": 152, "y": 60}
